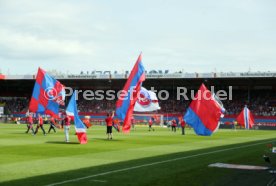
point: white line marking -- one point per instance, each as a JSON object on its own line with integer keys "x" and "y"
{"x": 271, "y": 182}
{"x": 155, "y": 163}
{"x": 101, "y": 181}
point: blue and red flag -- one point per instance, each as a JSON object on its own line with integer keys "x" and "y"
{"x": 129, "y": 94}
{"x": 80, "y": 128}
{"x": 48, "y": 94}
{"x": 204, "y": 112}
{"x": 245, "y": 118}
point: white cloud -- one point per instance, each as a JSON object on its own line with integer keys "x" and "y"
{"x": 80, "y": 35}
{"x": 18, "y": 45}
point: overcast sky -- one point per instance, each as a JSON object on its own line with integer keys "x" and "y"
{"x": 194, "y": 36}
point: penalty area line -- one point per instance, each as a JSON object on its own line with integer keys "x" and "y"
{"x": 154, "y": 163}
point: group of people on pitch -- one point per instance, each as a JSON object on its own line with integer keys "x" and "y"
{"x": 31, "y": 121}
{"x": 176, "y": 123}
{"x": 65, "y": 124}
{"x": 173, "y": 124}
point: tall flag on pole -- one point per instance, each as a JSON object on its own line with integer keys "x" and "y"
{"x": 48, "y": 94}
{"x": 147, "y": 101}
{"x": 245, "y": 118}
{"x": 80, "y": 128}
{"x": 129, "y": 94}
{"x": 204, "y": 112}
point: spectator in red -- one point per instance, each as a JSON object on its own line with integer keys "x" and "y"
{"x": 109, "y": 122}
{"x": 40, "y": 125}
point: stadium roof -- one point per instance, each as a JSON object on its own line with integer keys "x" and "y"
{"x": 24, "y": 86}
{"x": 152, "y": 75}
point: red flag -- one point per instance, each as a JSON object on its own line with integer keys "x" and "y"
{"x": 82, "y": 137}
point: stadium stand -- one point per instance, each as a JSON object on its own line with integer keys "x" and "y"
{"x": 257, "y": 90}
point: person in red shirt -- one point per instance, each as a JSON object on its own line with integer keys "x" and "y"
{"x": 30, "y": 123}
{"x": 174, "y": 125}
{"x": 67, "y": 123}
{"x": 109, "y": 122}
{"x": 52, "y": 125}
{"x": 40, "y": 125}
{"x": 183, "y": 124}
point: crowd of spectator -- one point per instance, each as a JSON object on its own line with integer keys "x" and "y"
{"x": 96, "y": 106}
{"x": 260, "y": 103}
{"x": 12, "y": 105}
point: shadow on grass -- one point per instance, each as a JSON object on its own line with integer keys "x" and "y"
{"x": 105, "y": 139}
{"x": 183, "y": 168}
{"x": 62, "y": 142}
{"x": 21, "y": 133}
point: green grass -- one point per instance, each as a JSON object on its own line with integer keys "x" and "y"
{"x": 42, "y": 160}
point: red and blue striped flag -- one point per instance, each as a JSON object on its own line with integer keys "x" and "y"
{"x": 128, "y": 96}
{"x": 48, "y": 94}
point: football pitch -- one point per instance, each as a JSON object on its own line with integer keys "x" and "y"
{"x": 159, "y": 157}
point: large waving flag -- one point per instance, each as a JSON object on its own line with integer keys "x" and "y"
{"x": 245, "y": 118}
{"x": 147, "y": 101}
{"x": 48, "y": 94}
{"x": 126, "y": 102}
{"x": 204, "y": 112}
{"x": 80, "y": 128}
